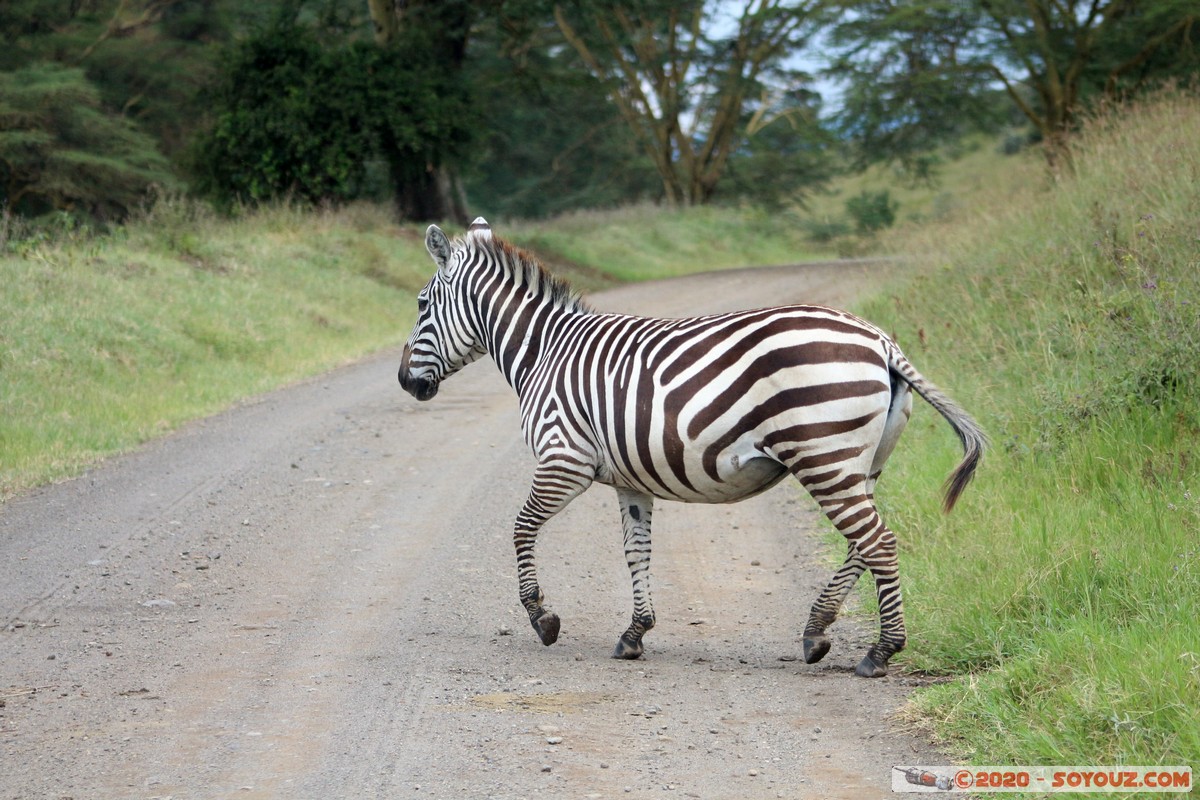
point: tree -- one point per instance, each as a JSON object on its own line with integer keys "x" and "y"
{"x": 911, "y": 80}
{"x": 1059, "y": 49}
{"x": 687, "y": 81}
{"x": 922, "y": 70}
{"x": 1154, "y": 41}
{"x": 784, "y": 155}
{"x": 442, "y": 27}
{"x": 149, "y": 59}
{"x": 298, "y": 116}
{"x": 60, "y": 150}
{"x": 548, "y": 140}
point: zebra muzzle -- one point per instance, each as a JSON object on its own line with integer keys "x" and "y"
{"x": 422, "y": 388}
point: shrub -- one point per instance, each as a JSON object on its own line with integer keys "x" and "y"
{"x": 297, "y": 117}
{"x": 872, "y": 211}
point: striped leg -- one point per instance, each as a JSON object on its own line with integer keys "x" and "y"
{"x": 555, "y": 484}
{"x": 636, "y": 510}
{"x": 825, "y": 609}
{"x": 853, "y": 512}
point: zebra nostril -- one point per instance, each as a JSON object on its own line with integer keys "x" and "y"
{"x": 424, "y": 388}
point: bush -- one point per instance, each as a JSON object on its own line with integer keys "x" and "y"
{"x": 825, "y": 230}
{"x": 872, "y": 211}
{"x": 297, "y": 117}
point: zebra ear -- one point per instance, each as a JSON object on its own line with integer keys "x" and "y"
{"x": 438, "y": 246}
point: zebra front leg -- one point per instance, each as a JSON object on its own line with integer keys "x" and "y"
{"x": 556, "y": 483}
{"x": 636, "y": 510}
{"x": 825, "y": 609}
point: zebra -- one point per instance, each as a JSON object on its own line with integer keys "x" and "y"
{"x": 710, "y": 409}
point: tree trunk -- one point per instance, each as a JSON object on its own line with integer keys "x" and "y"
{"x": 434, "y": 194}
{"x": 385, "y": 17}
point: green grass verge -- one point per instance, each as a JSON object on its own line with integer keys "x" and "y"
{"x": 111, "y": 340}
{"x": 1066, "y": 585}
{"x": 646, "y": 242}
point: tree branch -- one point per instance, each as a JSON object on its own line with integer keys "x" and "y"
{"x": 151, "y": 14}
{"x": 1182, "y": 26}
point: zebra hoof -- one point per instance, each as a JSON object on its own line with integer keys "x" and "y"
{"x": 628, "y": 650}
{"x": 870, "y": 668}
{"x": 547, "y": 626}
{"x": 815, "y": 648}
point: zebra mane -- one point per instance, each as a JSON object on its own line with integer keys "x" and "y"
{"x": 526, "y": 270}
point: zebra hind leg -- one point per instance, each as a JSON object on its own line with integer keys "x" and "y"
{"x": 636, "y": 510}
{"x": 553, "y": 488}
{"x": 853, "y": 512}
{"x": 825, "y": 609}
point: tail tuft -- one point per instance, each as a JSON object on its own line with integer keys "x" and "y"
{"x": 974, "y": 440}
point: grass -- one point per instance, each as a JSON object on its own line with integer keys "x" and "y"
{"x": 973, "y": 173}
{"x": 108, "y": 341}
{"x": 1065, "y": 588}
{"x": 646, "y": 242}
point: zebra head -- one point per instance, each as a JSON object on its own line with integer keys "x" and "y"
{"x": 444, "y": 339}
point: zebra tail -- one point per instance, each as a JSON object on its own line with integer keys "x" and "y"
{"x": 974, "y": 440}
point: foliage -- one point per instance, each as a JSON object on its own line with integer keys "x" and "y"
{"x": 302, "y": 118}
{"x": 1066, "y": 583}
{"x": 872, "y": 211}
{"x": 440, "y": 30}
{"x": 922, "y": 72}
{"x": 686, "y": 88}
{"x": 823, "y": 230}
{"x": 783, "y": 159}
{"x": 537, "y": 106}
{"x": 548, "y": 140}
{"x": 60, "y": 150}
{"x": 149, "y": 59}
{"x": 911, "y": 84}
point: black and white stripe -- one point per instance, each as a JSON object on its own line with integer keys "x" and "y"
{"x": 709, "y": 409}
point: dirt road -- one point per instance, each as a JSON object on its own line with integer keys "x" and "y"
{"x": 314, "y": 596}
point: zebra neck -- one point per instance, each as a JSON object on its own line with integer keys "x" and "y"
{"x": 520, "y": 323}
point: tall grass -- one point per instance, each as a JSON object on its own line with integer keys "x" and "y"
{"x": 109, "y": 340}
{"x": 971, "y": 172}
{"x": 1065, "y": 588}
{"x": 647, "y": 242}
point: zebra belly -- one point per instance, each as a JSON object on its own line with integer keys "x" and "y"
{"x": 742, "y": 473}
{"x": 742, "y": 479}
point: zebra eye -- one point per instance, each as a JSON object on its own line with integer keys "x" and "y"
{"x": 422, "y": 304}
